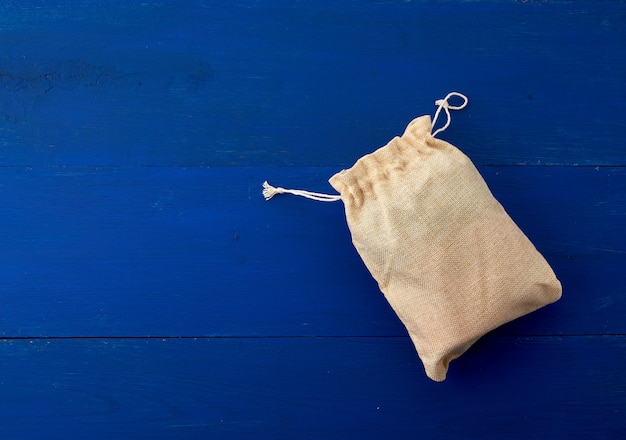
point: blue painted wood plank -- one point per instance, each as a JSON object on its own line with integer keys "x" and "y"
{"x": 307, "y": 83}
{"x": 197, "y": 251}
{"x": 313, "y": 388}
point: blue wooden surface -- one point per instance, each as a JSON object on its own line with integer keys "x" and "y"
{"x": 148, "y": 291}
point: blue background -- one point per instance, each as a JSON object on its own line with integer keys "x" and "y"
{"x": 148, "y": 291}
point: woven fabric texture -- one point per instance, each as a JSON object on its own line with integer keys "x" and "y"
{"x": 446, "y": 255}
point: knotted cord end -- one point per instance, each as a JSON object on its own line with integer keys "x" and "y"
{"x": 270, "y": 191}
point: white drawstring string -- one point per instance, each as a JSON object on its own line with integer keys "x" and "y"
{"x": 270, "y": 191}
{"x": 445, "y": 105}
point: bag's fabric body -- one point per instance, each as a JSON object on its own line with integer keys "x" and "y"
{"x": 448, "y": 258}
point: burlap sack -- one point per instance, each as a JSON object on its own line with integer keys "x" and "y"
{"x": 448, "y": 258}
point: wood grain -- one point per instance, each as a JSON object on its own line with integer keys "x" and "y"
{"x": 197, "y": 252}
{"x": 254, "y": 83}
{"x": 331, "y": 388}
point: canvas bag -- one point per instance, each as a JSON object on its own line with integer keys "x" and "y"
{"x": 448, "y": 258}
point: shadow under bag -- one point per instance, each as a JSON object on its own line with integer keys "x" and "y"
{"x": 448, "y": 258}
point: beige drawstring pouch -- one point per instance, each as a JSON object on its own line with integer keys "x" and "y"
{"x": 446, "y": 255}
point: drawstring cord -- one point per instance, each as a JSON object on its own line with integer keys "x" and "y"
{"x": 270, "y": 191}
{"x": 445, "y": 105}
